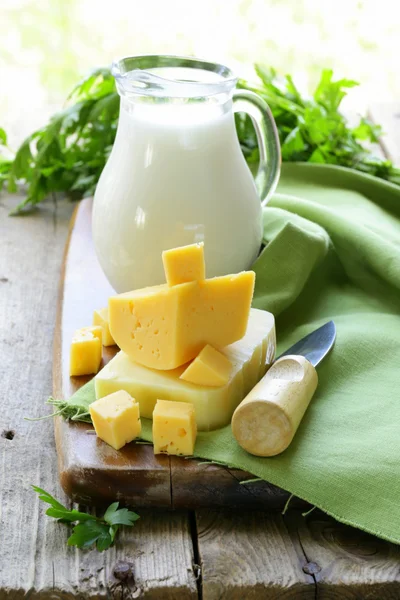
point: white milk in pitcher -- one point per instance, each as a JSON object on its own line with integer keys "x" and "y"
{"x": 176, "y": 175}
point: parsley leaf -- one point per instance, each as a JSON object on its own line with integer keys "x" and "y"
{"x": 119, "y": 516}
{"x": 89, "y": 530}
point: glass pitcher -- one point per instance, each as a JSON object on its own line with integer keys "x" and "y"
{"x": 176, "y": 174}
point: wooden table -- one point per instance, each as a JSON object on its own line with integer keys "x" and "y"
{"x": 209, "y": 554}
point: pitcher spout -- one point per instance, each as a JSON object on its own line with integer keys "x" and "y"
{"x": 171, "y": 77}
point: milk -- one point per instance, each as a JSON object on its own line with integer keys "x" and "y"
{"x": 176, "y": 175}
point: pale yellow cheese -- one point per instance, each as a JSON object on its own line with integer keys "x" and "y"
{"x": 85, "y": 351}
{"x": 116, "y": 419}
{"x": 100, "y": 318}
{"x": 213, "y": 406}
{"x": 209, "y": 368}
{"x": 256, "y": 350}
{"x": 184, "y": 264}
{"x": 174, "y": 428}
{"x": 163, "y": 327}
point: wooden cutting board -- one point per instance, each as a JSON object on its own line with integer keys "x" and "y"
{"x": 91, "y": 472}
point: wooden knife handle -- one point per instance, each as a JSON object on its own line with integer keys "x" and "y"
{"x": 266, "y": 421}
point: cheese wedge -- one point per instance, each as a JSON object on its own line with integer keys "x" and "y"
{"x": 116, "y": 419}
{"x": 174, "y": 428}
{"x": 163, "y": 327}
{"x": 184, "y": 264}
{"x": 213, "y": 406}
{"x": 210, "y": 368}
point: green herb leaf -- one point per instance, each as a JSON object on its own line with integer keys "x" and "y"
{"x": 330, "y": 93}
{"x": 3, "y": 137}
{"x": 46, "y": 497}
{"x": 293, "y": 144}
{"x": 68, "y": 515}
{"x": 119, "y": 516}
{"x": 367, "y": 130}
{"x": 91, "y": 532}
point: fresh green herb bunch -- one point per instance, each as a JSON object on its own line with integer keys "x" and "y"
{"x": 89, "y": 530}
{"x": 69, "y": 153}
{"x": 313, "y": 129}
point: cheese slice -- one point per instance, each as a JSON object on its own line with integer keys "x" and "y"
{"x": 210, "y": 368}
{"x": 163, "y": 327}
{"x": 174, "y": 428}
{"x": 184, "y": 264}
{"x": 116, "y": 419}
{"x": 213, "y": 406}
{"x": 256, "y": 350}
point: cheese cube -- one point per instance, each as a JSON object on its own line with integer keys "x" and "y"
{"x": 100, "y": 318}
{"x": 210, "y": 368}
{"x": 85, "y": 352}
{"x": 163, "y": 327}
{"x": 184, "y": 264}
{"x": 174, "y": 428}
{"x": 116, "y": 419}
{"x": 213, "y": 406}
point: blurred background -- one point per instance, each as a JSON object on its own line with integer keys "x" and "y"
{"x": 47, "y": 46}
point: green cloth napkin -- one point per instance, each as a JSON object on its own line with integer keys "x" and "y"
{"x": 332, "y": 252}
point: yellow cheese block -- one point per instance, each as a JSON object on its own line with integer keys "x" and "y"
{"x": 256, "y": 350}
{"x": 116, "y": 419}
{"x": 184, "y": 264}
{"x": 100, "y": 318}
{"x": 86, "y": 351}
{"x": 210, "y": 368}
{"x": 213, "y": 406}
{"x": 174, "y": 428}
{"x": 163, "y": 327}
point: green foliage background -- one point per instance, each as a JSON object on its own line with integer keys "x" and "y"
{"x": 68, "y": 154}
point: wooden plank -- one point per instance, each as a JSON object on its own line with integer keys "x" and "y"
{"x": 388, "y": 116}
{"x": 249, "y": 555}
{"x": 90, "y": 470}
{"x": 347, "y": 564}
{"x": 260, "y": 556}
{"x": 35, "y": 561}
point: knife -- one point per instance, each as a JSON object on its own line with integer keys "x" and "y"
{"x": 266, "y": 421}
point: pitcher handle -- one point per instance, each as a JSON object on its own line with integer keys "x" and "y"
{"x": 267, "y": 137}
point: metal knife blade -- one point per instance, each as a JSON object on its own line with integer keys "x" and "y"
{"x": 316, "y": 345}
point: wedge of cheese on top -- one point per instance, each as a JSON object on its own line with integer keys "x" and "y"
{"x": 163, "y": 327}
